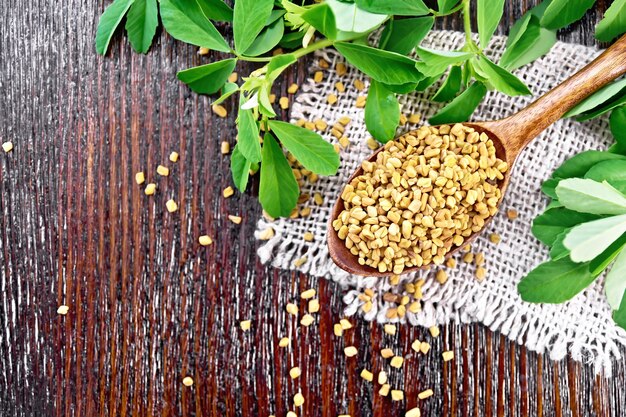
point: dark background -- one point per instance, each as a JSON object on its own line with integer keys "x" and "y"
{"x": 147, "y": 304}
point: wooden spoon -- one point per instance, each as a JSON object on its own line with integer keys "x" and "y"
{"x": 509, "y": 135}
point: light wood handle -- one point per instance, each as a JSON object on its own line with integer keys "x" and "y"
{"x": 519, "y": 129}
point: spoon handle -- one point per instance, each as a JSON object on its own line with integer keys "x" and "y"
{"x": 519, "y": 129}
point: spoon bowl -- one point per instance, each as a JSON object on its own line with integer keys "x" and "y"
{"x": 509, "y": 137}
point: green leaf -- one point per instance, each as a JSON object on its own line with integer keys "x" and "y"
{"x": 216, "y": 10}
{"x": 558, "y": 250}
{"x": 553, "y": 222}
{"x": 603, "y": 95}
{"x": 265, "y": 107}
{"x": 313, "y": 152}
{"x": 588, "y": 240}
{"x": 267, "y": 39}
{"x": 488, "y": 15}
{"x": 278, "y": 64}
{"x": 352, "y": 20}
{"x": 427, "y": 82}
{"x": 141, "y": 23}
{"x": 240, "y": 169}
{"x": 602, "y": 261}
{"x": 578, "y": 165}
{"x": 450, "y": 87}
{"x": 436, "y": 62}
{"x": 613, "y": 23}
{"x": 248, "y": 133}
{"x": 207, "y": 79}
{"x": 615, "y": 282}
{"x": 561, "y": 13}
{"x": 613, "y": 103}
{"x": 619, "y": 315}
{"x": 184, "y": 20}
{"x": 291, "y": 40}
{"x": 249, "y": 18}
{"x": 555, "y": 281}
{"x": 402, "y": 88}
{"x": 589, "y": 196}
{"x": 109, "y": 21}
{"x": 278, "y": 188}
{"x": 321, "y": 17}
{"x": 518, "y": 29}
{"x": 462, "y": 107}
{"x": 617, "y": 121}
{"x": 402, "y": 35}
{"x": 394, "y": 7}
{"x": 549, "y": 185}
{"x": 228, "y": 90}
{"x": 501, "y": 79}
{"x": 384, "y": 66}
{"x": 530, "y": 43}
{"x": 444, "y": 6}
{"x": 613, "y": 172}
{"x": 382, "y": 112}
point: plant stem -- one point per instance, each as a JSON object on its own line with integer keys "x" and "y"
{"x": 435, "y": 13}
{"x": 251, "y": 58}
{"x": 312, "y": 47}
{"x": 467, "y": 22}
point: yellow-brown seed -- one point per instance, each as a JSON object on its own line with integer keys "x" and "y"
{"x": 298, "y": 399}
{"x": 425, "y": 394}
{"x": 174, "y": 156}
{"x": 219, "y": 110}
{"x": 205, "y": 240}
{"x": 359, "y": 85}
{"x": 284, "y": 342}
{"x": 434, "y": 331}
{"x": 234, "y": 219}
{"x": 203, "y": 51}
{"x": 384, "y": 390}
{"x": 441, "y": 276}
{"x": 308, "y": 237}
{"x": 397, "y": 395}
{"x": 283, "y": 102}
{"x": 163, "y": 171}
{"x": 318, "y": 76}
{"x": 337, "y": 330}
{"x": 266, "y": 234}
{"x": 397, "y": 362}
{"x": 150, "y": 189}
{"x": 292, "y": 89}
{"x": 295, "y": 372}
{"x": 367, "y": 375}
{"x": 245, "y": 325}
{"x": 413, "y": 412}
{"x": 511, "y": 214}
{"x": 63, "y": 310}
{"x": 233, "y": 77}
{"x": 341, "y": 69}
{"x": 225, "y": 148}
{"x": 360, "y": 102}
{"x": 292, "y": 309}
{"x": 314, "y": 305}
{"x": 448, "y": 355}
{"x": 481, "y": 273}
{"x": 332, "y": 99}
{"x": 386, "y": 353}
{"x": 228, "y": 191}
{"x": 350, "y": 351}
{"x": 494, "y": 238}
{"x": 345, "y": 324}
{"x": 300, "y": 261}
{"x": 390, "y": 329}
{"x": 187, "y": 381}
{"x": 424, "y": 347}
{"x": 307, "y": 320}
{"x": 310, "y": 293}
{"x": 340, "y": 87}
{"x": 171, "y": 206}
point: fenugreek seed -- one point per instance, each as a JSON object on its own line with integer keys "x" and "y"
{"x": 298, "y": 399}
{"x": 63, "y": 310}
{"x": 344, "y": 142}
{"x": 390, "y": 329}
{"x": 150, "y": 189}
{"x": 245, "y": 325}
{"x": 441, "y": 276}
{"x": 372, "y": 144}
{"x": 205, "y": 240}
{"x": 413, "y": 412}
{"x": 341, "y": 69}
{"x": 300, "y": 261}
{"x": 292, "y": 309}
{"x": 171, "y": 206}
{"x": 337, "y": 330}
{"x": 416, "y": 345}
{"x": 344, "y": 120}
{"x": 140, "y": 178}
{"x": 318, "y": 76}
{"x": 332, "y": 99}
{"x": 397, "y": 395}
{"x": 494, "y": 238}
{"x": 468, "y": 257}
{"x": 479, "y": 259}
{"x": 163, "y": 171}
{"x": 219, "y": 110}
{"x": 294, "y": 372}
{"x": 291, "y": 414}
{"x": 234, "y": 219}
{"x": 284, "y": 342}
{"x": 283, "y": 102}
{"x": 367, "y": 375}
{"x": 359, "y": 85}
{"x": 340, "y": 87}
{"x": 415, "y": 118}
{"x": 481, "y": 273}
{"x": 292, "y": 88}
{"x": 448, "y": 355}
{"x": 233, "y": 77}
{"x": 350, "y": 351}
{"x": 320, "y": 124}
{"x": 434, "y": 331}
{"x": 384, "y": 390}
{"x": 415, "y": 307}
{"x": 323, "y": 63}
{"x": 360, "y": 102}
{"x": 187, "y": 381}
{"x": 451, "y": 263}
{"x": 228, "y": 191}
{"x": 367, "y": 307}
{"x": 272, "y": 98}
{"x": 307, "y": 320}
{"x": 203, "y": 51}
{"x": 225, "y": 148}
{"x": 344, "y": 415}
{"x": 424, "y": 347}
{"x": 397, "y": 362}
{"x": 425, "y": 394}
{"x": 319, "y": 200}
{"x": 511, "y": 214}
{"x": 386, "y": 353}
{"x": 174, "y": 156}
{"x": 310, "y": 293}
{"x": 314, "y": 305}
{"x": 266, "y": 234}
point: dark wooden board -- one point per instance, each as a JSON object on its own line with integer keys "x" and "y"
{"x": 148, "y": 306}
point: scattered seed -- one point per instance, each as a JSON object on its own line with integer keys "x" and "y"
{"x": 367, "y": 375}
{"x": 468, "y": 257}
{"x": 416, "y": 345}
{"x": 415, "y": 118}
{"x": 283, "y": 102}
{"x": 320, "y": 124}
{"x": 448, "y": 355}
{"x": 323, "y": 63}
{"x": 415, "y": 307}
{"x": 272, "y": 98}
{"x": 234, "y": 219}
{"x": 332, "y": 99}
{"x": 233, "y": 77}
{"x": 318, "y": 76}
{"x": 481, "y": 273}
{"x": 292, "y": 309}
{"x": 340, "y": 87}
{"x": 337, "y": 330}
{"x": 300, "y": 261}
{"x": 284, "y": 342}
{"x": 350, "y": 351}
{"x": 140, "y": 178}
{"x": 171, "y": 205}
{"x": 402, "y": 119}
{"x": 479, "y": 259}
{"x": 344, "y": 142}
{"x": 314, "y": 305}
{"x": 360, "y": 102}
{"x": 291, "y": 414}
{"x": 341, "y": 69}
{"x": 343, "y": 415}
{"x": 434, "y": 331}
{"x": 298, "y": 399}
{"x": 345, "y": 324}
{"x": 295, "y": 372}
{"x": 359, "y": 85}
{"x": 187, "y": 381}
{"x": 150, "y": 189}
{"x": 397, "y": 362}
{"x": 511, "y": 214}
{"x": 382, "y": 377}
{"x": 174, "y": 156}
{"x": 308, "y": 237}
{"x": 397, "y": 395}
{"x": 390, "y": 329}
{"x": 307, "y": 320}
{"x": 219, "y": 110}
{"x": 266, "y": 234}
{"x": 441, "y": 276}
{"x": 205, "y": 240}
{"x": 372, "y": 144}
{"x": 495, "y": 238}
{"x": 413, "y": 412}
{"x": 245, "y": 325}
{"x": 203, "y": 51}
{"x": 424, "y": 347}
{"x": 386, "y": 353}
{"x": 451, "y": 263}
{"x": 344, "y": 120}
{"x": 425, "y": 394}
{"x": 63, "y": 310}
{"x": 225, "y": 148}
{"x": 292, "y": 88}
{"x": 228, "y": 191}
{"x": 319, "y": 200}
{"x": 163, "y": 171}
{"x": 384, "y": 390}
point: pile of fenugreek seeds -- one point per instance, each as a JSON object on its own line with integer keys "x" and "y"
{"x": 427, "y": 192}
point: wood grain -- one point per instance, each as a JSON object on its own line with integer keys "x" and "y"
{"x": 148, "y": 306}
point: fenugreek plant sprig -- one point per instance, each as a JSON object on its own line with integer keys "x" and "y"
{"x": 263, "y": 29}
